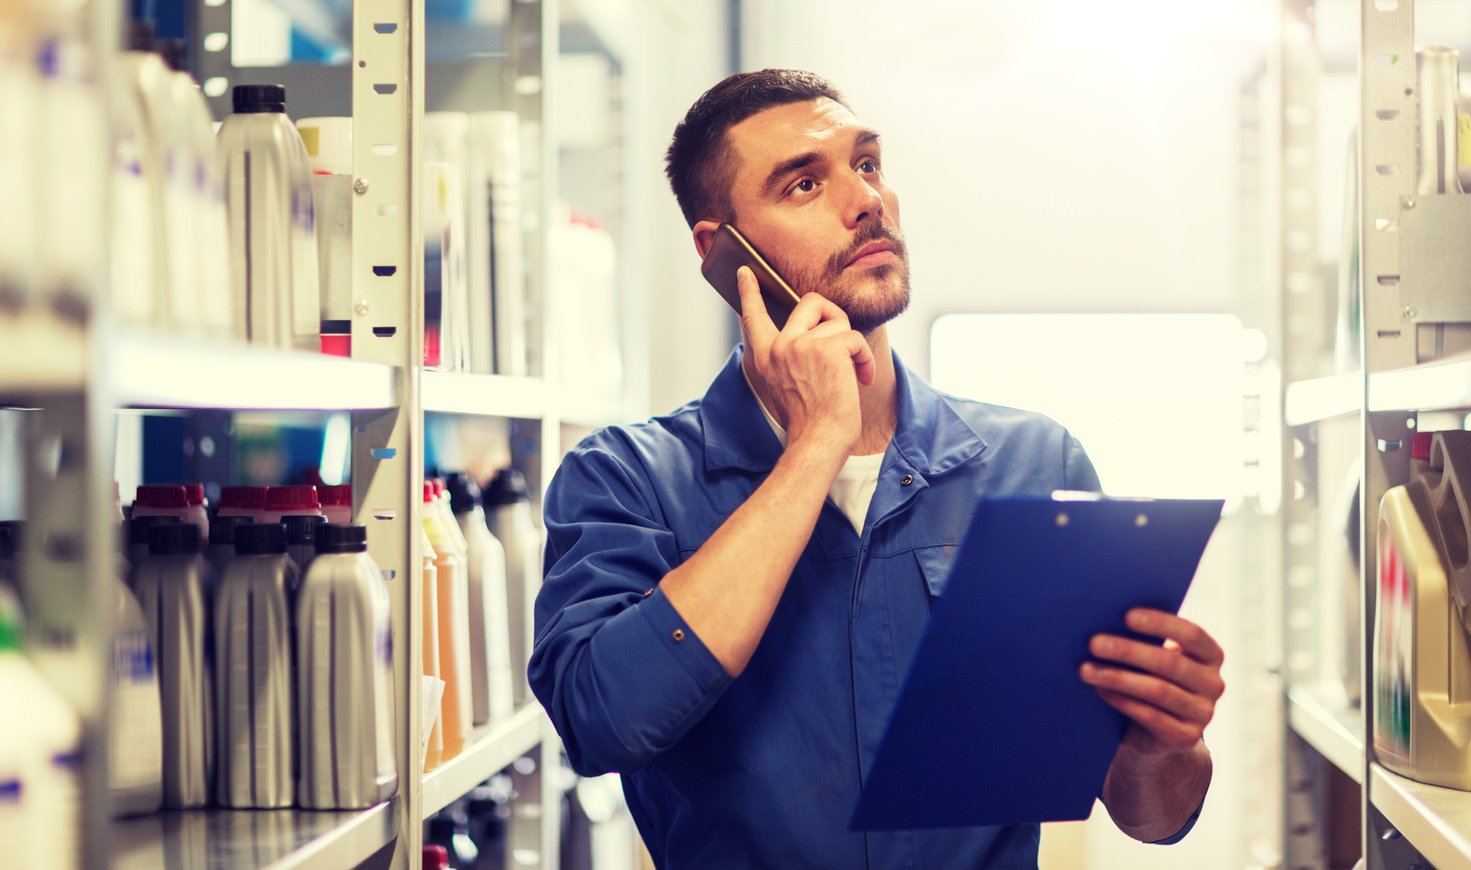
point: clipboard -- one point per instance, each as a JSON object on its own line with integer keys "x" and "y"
{"x": 993, "y": 725}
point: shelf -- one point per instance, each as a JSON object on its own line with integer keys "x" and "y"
{"x": 1323, "y": 398}
{"x": 1436, "y": 821}
{"x": 484, "y": 395}
{"x": 1433, "y": 386}
{"x": 151, "y": 372}
{"x": 490, "y": 750}
{"x": 1335, "y": 730}
{"x": 40, "y": 353}
{"x": 229, "y": 839}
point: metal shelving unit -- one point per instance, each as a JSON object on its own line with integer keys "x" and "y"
{"x": 1436, "y": 821}
{"x": 1436, "y": 386}
{"x": 1318, "y": 399}
{"x": 490, "y": 749}
{"x": 1321, "y": 716}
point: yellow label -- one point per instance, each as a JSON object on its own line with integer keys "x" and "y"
{"x": 310, "y": 136}
{"x": 1463, "y": 140}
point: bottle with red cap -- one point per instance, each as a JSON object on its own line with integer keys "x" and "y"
{"x": 242, "y": 501}
{"x": 436, "y": 858}
{"x": 337, "y": 503}
{"x": 284, "y": 501}
{"x": 198, "y": 511}
{"x": 160, "y": 500}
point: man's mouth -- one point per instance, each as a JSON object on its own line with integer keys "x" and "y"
{"x": 876, "y": 253}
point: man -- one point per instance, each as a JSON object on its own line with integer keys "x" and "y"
{"x": 734, "y": 592}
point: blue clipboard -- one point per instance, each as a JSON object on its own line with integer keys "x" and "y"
{"x": 993, "y": 725}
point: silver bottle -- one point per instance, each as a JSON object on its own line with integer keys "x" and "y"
{"x": 508, "y": 516}
{"x": 301, "y": 539}
{"x": 137, "y": 532}
{"x": 135, "y": 732}
{"x": 344, "y": 657}
{"x": 221, "y": 547}
{"x": 256, "y": 711}
{"x": 175, "y": 588}
{"x": 490, "y": 649}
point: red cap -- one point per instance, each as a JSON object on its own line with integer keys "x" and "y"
{"x": 337, "y": 495}
{"x": 337, "y": 345}
{"x": 292, "y": 499}
{"x": 436, "y": 858}
{"x": 251, "y": 498}
{"x": 438, "y": 486}
{"x": 194, "y": 492}
{"x": 428, "y": 491}
{"x": 1420, "y": 445}
{"x": 161, "y": 495}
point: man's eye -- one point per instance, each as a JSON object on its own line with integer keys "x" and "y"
{"x": 806, "y": 185}
{"x": 868, "y": 165}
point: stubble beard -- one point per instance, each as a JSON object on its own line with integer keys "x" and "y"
{"x": 870, "y": 297}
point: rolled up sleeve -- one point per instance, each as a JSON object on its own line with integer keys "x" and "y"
{"x": 618, "y": 670}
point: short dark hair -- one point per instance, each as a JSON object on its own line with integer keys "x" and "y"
{"x": 700, "y": 178}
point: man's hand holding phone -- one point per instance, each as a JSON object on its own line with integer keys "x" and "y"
{"x": 810, "y": 369}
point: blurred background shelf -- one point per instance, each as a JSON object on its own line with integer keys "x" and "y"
{"x": 1330, "y": 726}
{"x": 41, "y": 354}
{"x": 218, "y": 839}
{"x": 491, "y": 749}
{"x": 1324, "y": 398}
{"x": 483, "y": 395}
{"x": 1433, "y": 386}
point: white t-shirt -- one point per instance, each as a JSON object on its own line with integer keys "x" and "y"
{"x": 857, "y": 481}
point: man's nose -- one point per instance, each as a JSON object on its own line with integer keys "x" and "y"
{"x": 864, "y": 202}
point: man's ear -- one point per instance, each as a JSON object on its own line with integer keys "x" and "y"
{"x": 704, "y": 235}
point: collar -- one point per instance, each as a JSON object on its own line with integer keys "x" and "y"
{"x": 931, "y": 437}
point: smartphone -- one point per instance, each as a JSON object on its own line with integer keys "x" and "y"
{"x": 728, "y": 252}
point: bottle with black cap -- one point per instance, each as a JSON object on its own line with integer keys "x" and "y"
{"x": 255, "y": 710}
{"x": 508, "y": 516}
{"x": 273, "y": 245}
{"x": 301, "y": 539}
{"x": 10, "y": 555}
{"x": 344, "y": 657}
{"x": 138, "y": 540}
{"x": 490, "y": 650}
{"x": 175, "y": 587}
{"x": 221, "y": 547}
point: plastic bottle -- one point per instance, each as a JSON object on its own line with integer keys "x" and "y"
{"x": 446, "y": 136}
{"x": 138, "y": 539}
{"x": 9, "y": 555}
{"x": 161, "y": 500}
{"x": 39, "y": 755}
{"x": 175, "y": 587}
{"x": 254, "y": 671}
{"x": 19, "y": 84}
{"x": 282, "y": 501}
{"x": 495, "y": 139}
{"x": 454, "y": 625}
{"x": 198, "y": 513}
{"x": 440, "y": 253}
{"x": 434, "y": 742}
{"x": 242, "y": 501}
{"x": 301, "y": 539}
{"x": 490, "y": 651}
{"x": 1438, "y": 83}
{"x": 329, "y": 146}
{"x": 135, "y": 731}
{"x": 221, "y": 547}
{"x": 508, "y": 516}
{"x": 435, "y": 858}
{"x": 337, "y": 503}
{"x": 273, "y": 245}
{"x": 344, "y": 657}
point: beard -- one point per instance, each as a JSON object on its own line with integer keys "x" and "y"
{"x": 870, "y": 297}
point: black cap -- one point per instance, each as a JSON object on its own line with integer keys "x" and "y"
{"x": 464, "y": 492}
{"x": 259, "y": 98}
{"x": 260, "y": 539}
{"x": 138, "y": 527}
{"x": 342, "y": 538}
{"x": 301, "y": 528}
{"x": 222, "y": 529}
{"x": 507, "y": 487}
{"x": 173, "y": 539}
{"x": 9, "y": 538}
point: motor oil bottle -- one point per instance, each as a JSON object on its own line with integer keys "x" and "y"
{"x": 490, "y": 650}
{"x": 175, "y": 587}
{"x": 508, "y": 515}
{"x": 433, "y": 729}
{"x": 135, "y": 729}
{"x": 242, "y": 501}
{"x": 254, "y": 671}
{"x": 1422, "y": 660}
{"x": 451, "y": 600}
{"x": 221, "y": 548}
{"x": 344, "y": 658}
{"x": 301, "y": 539}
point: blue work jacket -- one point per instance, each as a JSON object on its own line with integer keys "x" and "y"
{"x": 764, "y": 771}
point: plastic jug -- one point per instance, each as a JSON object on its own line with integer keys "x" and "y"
{"x": 508, "y": 515}
{"x": 452, "y": 604}
{"x": 337, "y": 503}
{"x": 254, "y": 671}
{"x": 208, "y": 233}
{"x": 282, "y": 501}
{"x": 273, "y": 245}
{"x": 495, "y": 148}
{"x": 175, "y": 587}
{"x": 135, "y": 759}
{"x": 161, "y": 500}
{"x": 198, "y": 513}
{"x": 490, "y": 650}
{"x": 301, "y": 539}
{"x": 329, "y": 146}
{"x": 345, "y": 676}
{"x": 434, "y": 741}
{"x": 138, "y": 539}
{"x": 221, "y": 547}
{"x": 242, "y": 501}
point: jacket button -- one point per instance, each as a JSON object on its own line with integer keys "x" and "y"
{"x": 906, "y": 480}
{"x": 648, "y": 592}
{"x": 678, "y": 635}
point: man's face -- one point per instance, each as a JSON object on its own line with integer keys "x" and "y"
{"x": 809, "y": 193}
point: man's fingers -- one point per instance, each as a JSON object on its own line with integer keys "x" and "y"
{"x": 862, "y": 354}
{"x": 1166, "y": 728}
{"x": 1195, "y": 641}
{"x": 1168, "y": 664}
{"x": 757, "y": 324}
{"x": 1151, "y": 690}
{"x": 812, "y": 309}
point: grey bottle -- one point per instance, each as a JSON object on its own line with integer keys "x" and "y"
{"x": 256, "y": 710}
{"x": 221, "y": 547}
{"x": 508, "y": 515}
{"x": 301, "y": 539}
{"x": 137, "y": 531}
{"x": 175, "y": 587}
{"x": 345, "y": 676}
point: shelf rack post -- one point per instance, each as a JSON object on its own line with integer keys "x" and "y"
{"x": 387, "y": 327}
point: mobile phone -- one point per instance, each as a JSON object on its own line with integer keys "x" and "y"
{"x": 728, "y": 252}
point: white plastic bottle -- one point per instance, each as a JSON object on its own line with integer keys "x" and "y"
{"x": 329, "y": 146}
{"x": 301, "y": 538}
{"x": 337, "y": 503}
{"x": 452, "y": 598}
{"x": 446, "y": 137}
{"x": 161, "y": 500}
{"x": 495, "y": 138}
{"x": 273, "y": 245}
{"x": 221, "y": 547}
{"x": 490, "y": 650}
{"x": 242, "y": 501}
{"x": 508, "y": 515}
{"x": 39, "y": 755}
{"x": 433, "y": 729}
{"x": 344, "y": 660}
{"x": 284, "y": 501}
{"x": 198, "y": 512}
{"x": 135, "y": 729}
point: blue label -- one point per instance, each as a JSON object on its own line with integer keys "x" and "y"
{"x": 10, "y": 790}
{"x": 132, "y": 657}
